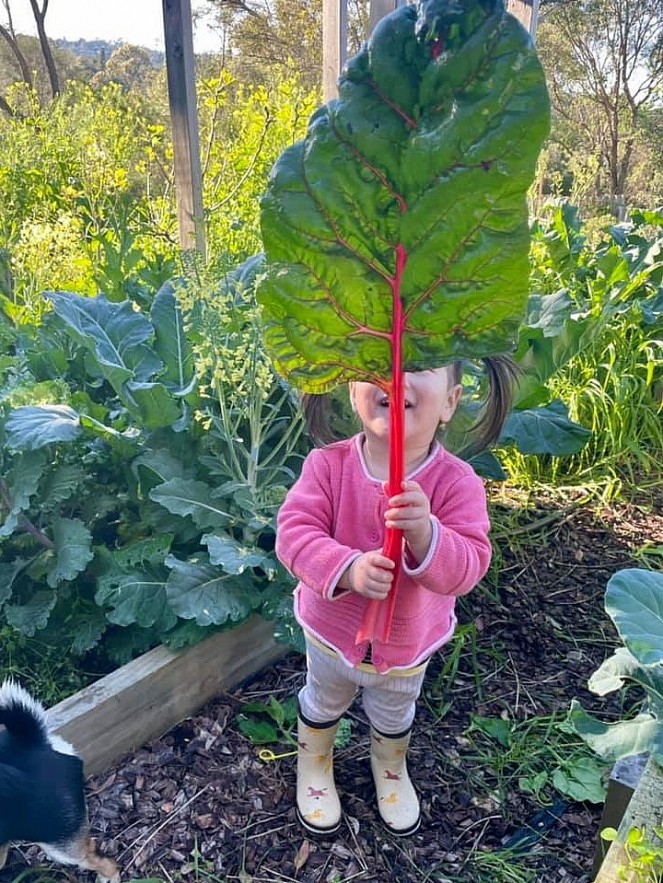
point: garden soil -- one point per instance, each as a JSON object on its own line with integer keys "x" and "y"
{"x": 200, "y": 805}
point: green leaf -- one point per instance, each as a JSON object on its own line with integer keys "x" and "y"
{"x": 545, "y": 430}
{"x": 149, "y": 549}
{"x": 495, "y": 727}
{"x": 161, "y": 465}
{"x": 123, "y": 443}
{"x": 29, "y": 618}
{"x": 623, "y": 666}
{"x": 170, "y": 341}
{"x": 154, "y": 403}
{"x": 136, "y": 597}
{"x": 194, "y": 498}
{"x": 634, "y": 602}
{"x": 533, "y": 784}
{"x": 580, "y": 779}
{"x": 73, "y": 550}
{"x": 548, "y": 312}
{"x": 548, "y": 344}
{"x": 198, "y": 591}
{"x": 23, "y": 479}
{"x": 344, "y": 733}
{"x": 609, "y": 834}
{"x": 611, "y": 741}
{"x": 185, "y": 634}
{"x": 235, "y": 558}
{"x": 34, "y": 426}
{"x": 487, "y": 465}
{"x": 87, "y": 630}
{"x": 9, "y": 525}
{"x": 612, "y": 672}
{"x": 260, "y": 732}
{"x": 114, "y": 334}
{"x": 61, "y": 484}
{"x": 8, "y": 573}
{"x": 410, "y": 187}
{"x": 276, "y": 711}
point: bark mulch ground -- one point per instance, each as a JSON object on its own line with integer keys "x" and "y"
{"x": 199, "y": 804}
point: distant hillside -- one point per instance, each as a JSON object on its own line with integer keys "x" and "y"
{"x": 93, "y": 49}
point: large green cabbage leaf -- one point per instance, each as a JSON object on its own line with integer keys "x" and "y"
{"x": 401, "y": 218}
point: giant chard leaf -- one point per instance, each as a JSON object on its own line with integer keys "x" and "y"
{"x": 396, "y": 232}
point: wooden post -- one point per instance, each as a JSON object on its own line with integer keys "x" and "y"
{"x": 377, "y": 10}
{"x": 178, "y": 32}
{"x": 334, "y": 44}
{"x": 527, "y": 13}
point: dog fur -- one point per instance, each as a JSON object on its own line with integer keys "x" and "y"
{"x": 42, "y": 788}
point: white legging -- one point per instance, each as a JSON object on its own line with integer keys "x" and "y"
{"x": 389, "y": 700}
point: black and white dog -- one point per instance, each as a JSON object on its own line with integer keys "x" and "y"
{"x": 42, "y": 796}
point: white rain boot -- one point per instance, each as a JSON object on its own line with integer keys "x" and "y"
{"x": 318, "y": 806}
{"x": 398, "y": 803}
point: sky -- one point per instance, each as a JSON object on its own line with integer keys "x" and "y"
{"x": 133, "y": 21}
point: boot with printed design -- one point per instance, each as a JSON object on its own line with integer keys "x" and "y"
{"x": 398, "y": 803}
{"x": 318, "y": 806}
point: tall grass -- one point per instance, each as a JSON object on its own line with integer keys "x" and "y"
{"x": 612, "y": 383}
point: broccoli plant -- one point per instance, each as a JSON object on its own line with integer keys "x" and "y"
{"x": 634, "y": 602}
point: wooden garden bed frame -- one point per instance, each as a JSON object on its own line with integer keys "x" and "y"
{"x": 149, "y": 696}
{"x": 644, "y": 810}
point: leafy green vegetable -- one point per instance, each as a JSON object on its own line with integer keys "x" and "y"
{"x": 114, "y": 480}
{"x": 633, "y": 601}
{"x": 402, "y": 213}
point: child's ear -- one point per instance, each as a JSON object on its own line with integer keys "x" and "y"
{"x": 451, "y": 403}
{"x": 351, "y": 391}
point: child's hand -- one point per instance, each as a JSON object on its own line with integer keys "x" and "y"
{"x": 370, "y": 575}
{"x": 409, "y": 511}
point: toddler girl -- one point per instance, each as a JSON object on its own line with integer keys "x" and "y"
{"x": 329, "y": 535}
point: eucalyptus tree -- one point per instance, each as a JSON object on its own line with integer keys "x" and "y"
{"x": 264, "y": 36}
{"x": 21, "y": 50}
{"x": 604, "y": 63}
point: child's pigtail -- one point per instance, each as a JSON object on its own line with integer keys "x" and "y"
{"x": 317, "y": 415}
{"x": 502, "y": 374}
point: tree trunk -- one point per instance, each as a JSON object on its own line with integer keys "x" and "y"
{"x": 39, "y": 16}
{"x": 12, "y": 42}
{"x": 5, "y": 107}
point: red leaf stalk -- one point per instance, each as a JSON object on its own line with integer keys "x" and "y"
{"x": 393, "y": 541}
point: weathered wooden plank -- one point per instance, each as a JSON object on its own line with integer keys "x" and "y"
{"x": 334, "y": 44}
{"x": 645, "y": 810}
{"x": 180, "y": 67}
{"x": 527, "y": 13}
{"x": 147, "y": 697}
{"x": 377, "y": 10}
{"x": 624, "y": 779}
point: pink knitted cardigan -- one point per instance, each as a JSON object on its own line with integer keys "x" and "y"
{"x": 335, "y": 511}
